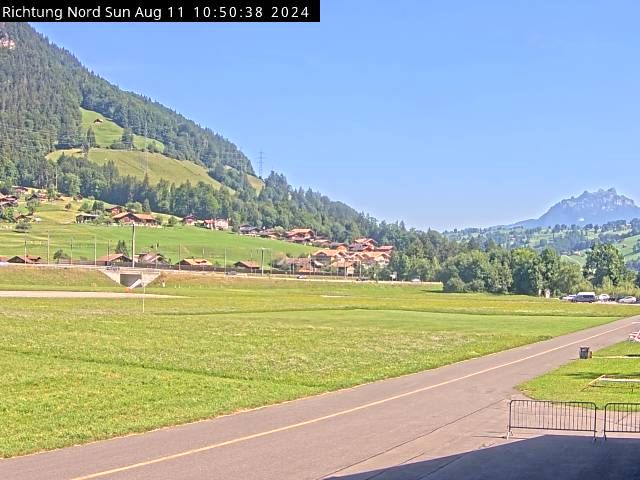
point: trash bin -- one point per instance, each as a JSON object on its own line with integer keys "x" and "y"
{"x": 584, "y": 353}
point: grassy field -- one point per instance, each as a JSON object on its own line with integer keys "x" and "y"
{"x": 137, "y": 164}
{"x": 175, "y": 243}
{"x": 75, "y": 370}
{"x": 574, "y": 380}
{"x": 108, "y": 131}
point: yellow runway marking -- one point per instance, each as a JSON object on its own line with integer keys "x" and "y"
{"x": 333, "y": 415}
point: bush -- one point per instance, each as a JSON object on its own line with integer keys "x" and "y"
{"x": 454, "y": 284}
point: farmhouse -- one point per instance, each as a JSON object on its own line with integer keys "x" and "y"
{"x": 8, "y": 201}
{"x": 130, "y": 218}
{"x": 86, "y": 218}
{"x": 247, "y": 229}
{"x": 300, "y": 235}
{"x": 114, "y": 259}
{"x": 325, "y": 257}
{"x": 343, "y": 267}
{"x": 38, "y": 196}
{"x": 189, "y": 220}
{"x": 115, "y": 210}
{"x": 151, "y": 258}
{"x": 195, "y": 262}
{"x": 28, "y": 259}
{"x": 247, "y": 265}
{"x": 216, "y": 224}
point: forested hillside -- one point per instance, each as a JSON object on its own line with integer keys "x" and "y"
{"x": 43, "y": 88}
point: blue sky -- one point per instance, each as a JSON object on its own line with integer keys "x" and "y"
{"x": 443, "y": 114}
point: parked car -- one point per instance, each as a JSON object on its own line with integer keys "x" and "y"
{"x": 568, "y": 298}
{"x": 603, "y": 297}
{"x": 628, "y": 299}
{"x": 301, "y": 277}
{"x": 232, "y": 272}
{"x": 415, "y": 280}
{"x": 585, "y": 297}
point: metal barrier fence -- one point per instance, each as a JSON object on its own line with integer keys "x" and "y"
{"x": 547, "y": 415}
{"x": 621, "y": 418}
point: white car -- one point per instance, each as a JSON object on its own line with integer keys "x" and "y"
{"x": 627, "y": 300}
{"x": 603, "y": 297}
{"x": 415, "y": 280}
{"x": 568, "y": 298}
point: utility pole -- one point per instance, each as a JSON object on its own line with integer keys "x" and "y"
{"x": 95, "y": 252}
{"x": 71, "y": 257}
{"x": 133, "y": 244}
{"x": 262, "y": 262}
{"x": 48, "y": 247}
{"x": 225, "y": 261}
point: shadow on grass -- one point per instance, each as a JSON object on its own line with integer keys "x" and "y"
{"x": 558, "y": 457}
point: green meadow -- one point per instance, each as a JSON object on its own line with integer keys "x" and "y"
{"x": 76, "y": 370}
{"x": 575, "y": 381}
{"x": 58, "y": 230}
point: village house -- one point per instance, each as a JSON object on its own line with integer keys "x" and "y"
{"x": 327, "y": 256}
{"x": 271, "y": 233}
{"x": 300, "y": 265}
{"x": 86, "y": 217}
{"x": 8, "y": 201}
{"x": 300, "y": 235}
{"x": 114, "y": 259}
{"x": 28, "y": 259}
{"x": 3, "y": 259}
{"x": 247, "y": 265}
{"x": 20, "y": 190}
{"x": 216, "y": 224}
{"x": 114, "y": 210}
{"x": 151, "y": 258}
{"x": 130, "y": 218}
{"x": 247, "y": 229}
{"x": 195, "y": 262}
{"x": 342, "y": 267}
{"x": 38, "y": 196}
{"x": 189, "y": 220}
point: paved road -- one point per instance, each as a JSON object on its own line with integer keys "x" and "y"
{"x": 427, "y": 425}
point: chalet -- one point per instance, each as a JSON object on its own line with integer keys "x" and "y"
{"x": 339, "y": 246}
{"x": 22, "y": 218}
{"x": 374, "y": 258}
{"x": 38, "y": 196}
{"x": 300, "y": 235}
{"x": 321, "y": 242}
{"x": 115, "y": 210}
{"x": 247, "y": 265}
{"x": 86, "y": 218}
{"x": 385, "y": 248}
{"x": 20, "y": 190}
{"x": 189, "y": 220}
{"x": 98, "y": 120}
{"x": 28, "y": 259}
{"x": 130, "y": 218}
{"x": 343, "y": 267}
{"x": 216, "y": 224}
{"x": 8, "y": 202}
{"x": 327, "y": 256}
{"x": 195, "y": 262}
{"x": 151, "y": 258}
{"x": 366, "y": 241}
{"x": 114, "y": 259}
{"x": 271, "y": 233}
{"x": 247, "y": 229}
{"x": 301, "y": 265}
{"x": 360, "y": 247}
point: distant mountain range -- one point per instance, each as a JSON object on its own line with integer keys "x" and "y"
{"x": 591, "y": 207}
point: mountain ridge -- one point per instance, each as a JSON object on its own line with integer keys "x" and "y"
{"x": 596, "y": 208}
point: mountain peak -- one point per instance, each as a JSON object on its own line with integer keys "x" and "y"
{"x": 597, "y": 207}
